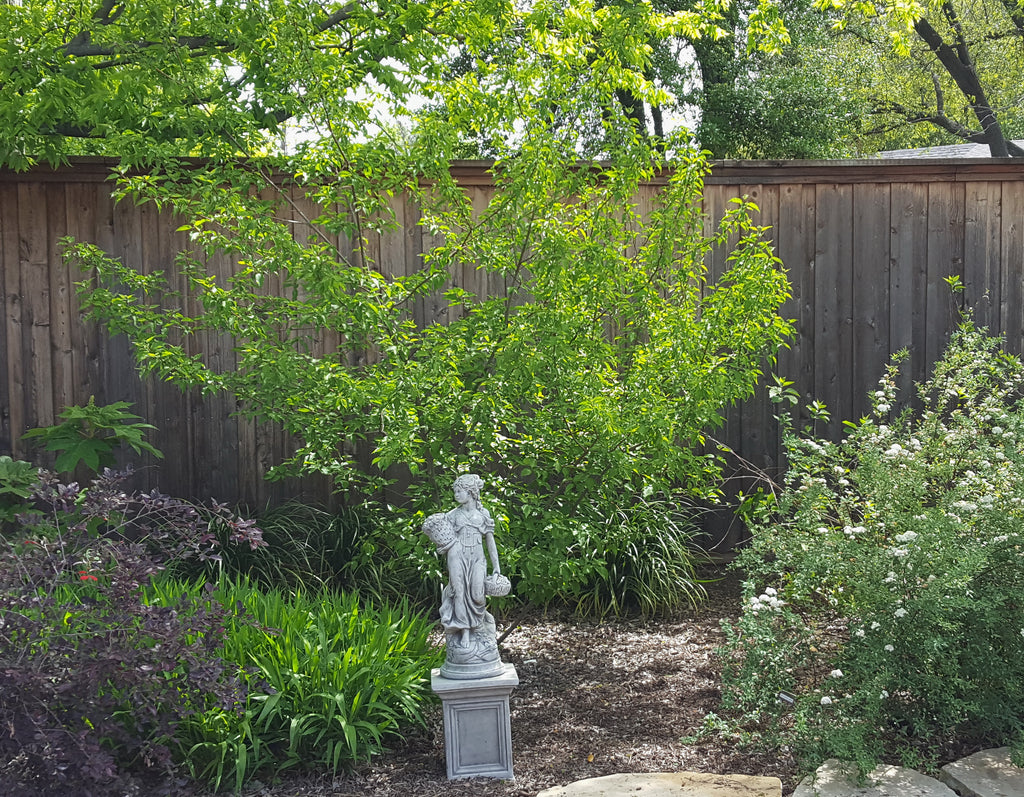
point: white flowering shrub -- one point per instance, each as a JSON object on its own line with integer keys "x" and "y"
{"x": 884, "y": 585}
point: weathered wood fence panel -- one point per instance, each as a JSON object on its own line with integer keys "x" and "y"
{"x": 868, "y": 246}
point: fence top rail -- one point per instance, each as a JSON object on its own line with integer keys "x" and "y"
{"x": 874, "y": 170}
{"x": 723, "y": 172}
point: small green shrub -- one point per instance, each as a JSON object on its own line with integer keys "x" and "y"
{"x": 330, "y": 680}
{"x": 312, "y": 548}
{"x": 90, "y": 435}
{"x": 884, "y": 587}
{"x": 639, "y": 558}
{"x": 18, "y": 480}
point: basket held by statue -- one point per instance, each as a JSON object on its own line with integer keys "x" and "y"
{"x": 440, "y": 531}
{"x": 497, "y": 585}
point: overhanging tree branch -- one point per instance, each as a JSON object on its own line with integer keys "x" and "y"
{"x": 191, "y": 43}
{"x": 956, "y": 60}
{"x": 1016, "y": 14}
{"x": 82, "y": 47}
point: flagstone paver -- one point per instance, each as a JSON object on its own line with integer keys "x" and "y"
{"x": 836, "y": 779}
{"x": 989, "y": 773}
{"x": 670, "y": 784}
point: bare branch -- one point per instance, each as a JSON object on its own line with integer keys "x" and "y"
{"x": 192, "y": 43}
{"x": 107, "y": 14}
{"x": 939, "y": 119}
{"x": 341, "y": 15}
{"x": 958, "y": 64}
{"x": 82, "y": 47}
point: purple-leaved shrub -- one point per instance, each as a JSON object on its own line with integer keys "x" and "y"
{"x": 92, "y": 680}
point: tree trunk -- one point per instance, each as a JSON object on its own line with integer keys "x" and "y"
{"x": 956, "y": 60}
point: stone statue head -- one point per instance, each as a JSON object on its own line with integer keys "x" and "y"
{"x": 471, "y": 484}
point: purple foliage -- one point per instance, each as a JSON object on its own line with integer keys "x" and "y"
{"x": 92, "y": 680}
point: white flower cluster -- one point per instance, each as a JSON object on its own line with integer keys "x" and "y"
{"x": 896, "y": 450}
{"x": 885, "y": 397}
{"x": 768, "y": 600}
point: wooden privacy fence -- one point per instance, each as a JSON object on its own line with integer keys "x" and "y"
{"x": 868, "y": 246}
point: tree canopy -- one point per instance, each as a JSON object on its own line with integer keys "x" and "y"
{"x": 955, "y": 66}
{"x": 206, "y": 78}
{"x": 583, "y": 388}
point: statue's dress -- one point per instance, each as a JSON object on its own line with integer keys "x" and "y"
{"x": 463, "y": 603}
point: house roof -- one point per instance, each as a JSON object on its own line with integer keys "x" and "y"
{"x": 946, "y": 151}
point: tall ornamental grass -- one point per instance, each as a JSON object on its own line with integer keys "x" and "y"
{"x": 884, "y": 592}
{"x": 330, "y": 681}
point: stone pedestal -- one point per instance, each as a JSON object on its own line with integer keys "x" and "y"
{"x": 477, "y": 724}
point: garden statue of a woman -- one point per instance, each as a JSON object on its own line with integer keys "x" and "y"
{"x": 462, "y": 535}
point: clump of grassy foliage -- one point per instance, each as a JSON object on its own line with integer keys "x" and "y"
{"x": 329, "y": 679}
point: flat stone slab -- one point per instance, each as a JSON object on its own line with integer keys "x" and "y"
{"x": 669, "y": 784}
{"x": 989, "y": 773}
{"x": 836, "y": 779}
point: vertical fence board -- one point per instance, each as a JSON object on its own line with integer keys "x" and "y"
{"x": 437, "y": 309}
{"x": 12, "y": 378}
{"x": 760, "y": 437}
{"x": 945, "y": 259}
{"x": 219, "y": 429}
{"x": 1011, "y": 304}
{"x": 983, "y": 251}
{"x": 794, "y": 242}
{"x": 717, "y": 202}
{"x": 722, "y": 531}
{"x": 833, "y": 351}
{"x": 908, "y": 275}
{"x": 475, "y": 275}
{"x": 35, "y": 286}
{"x": 871, "y": 347}
{"x": 167, "y": 406}
{"x": 422, "y": 309}
{"x": 61, "y": 289}
{"x": 84, "y": 202}
{"x": 119, "y": 376}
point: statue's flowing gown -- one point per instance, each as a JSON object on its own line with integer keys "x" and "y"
{"x": 463, "y": 604}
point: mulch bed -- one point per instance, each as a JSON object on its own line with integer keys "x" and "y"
{"x": 594, "y": 698}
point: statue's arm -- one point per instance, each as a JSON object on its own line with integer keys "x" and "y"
{"x": 492, "y": 548}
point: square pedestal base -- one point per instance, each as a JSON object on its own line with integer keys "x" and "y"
{"x": 477, "y": 725}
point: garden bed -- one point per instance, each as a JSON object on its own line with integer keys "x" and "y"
{"x": 594, "y": 698}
